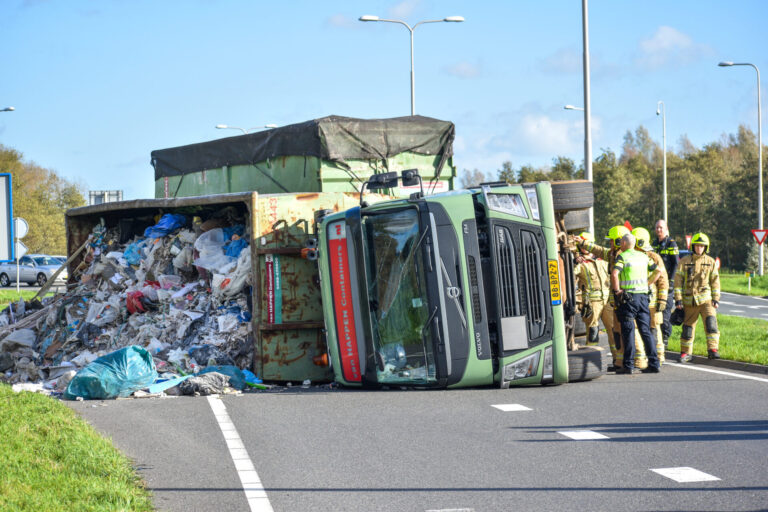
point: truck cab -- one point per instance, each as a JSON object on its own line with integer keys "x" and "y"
{"x": 456, "y": 289}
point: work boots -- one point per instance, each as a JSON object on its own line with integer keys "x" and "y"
{"x": 685, "y": 358}
{"x": 713, "y": 354}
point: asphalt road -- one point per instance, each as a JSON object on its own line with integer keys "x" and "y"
{"x": 321, "y": 449}
{"x": 742, "y": 305}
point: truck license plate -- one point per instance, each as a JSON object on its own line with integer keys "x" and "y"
{"x": 554, "y": 283}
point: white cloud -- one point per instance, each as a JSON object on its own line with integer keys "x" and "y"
{"x": 404, "y": 9}
{"x": 669, "y": 47}
{"x": 341, "y": 21}
{"x": 565, "y": 60}
{"x": 463, "y": 69}
{"x": 536, "y": 134}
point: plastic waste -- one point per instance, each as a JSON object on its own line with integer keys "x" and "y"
{"x": 236, "y": 376}
{"x": 117, "y": 374}
{"x": 18, "y": 339}
{"x": 233, "y": 248}
{"x": 133, "y": 253}
{"x": 208, "y": 384}
{"x": 168, "y": 223}
{"x": 210, "y": 245}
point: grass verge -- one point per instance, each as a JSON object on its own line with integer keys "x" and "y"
{"x": 53, "y": 460}
{"x": 737, "y": 283}
{"x": 741, "y": 339}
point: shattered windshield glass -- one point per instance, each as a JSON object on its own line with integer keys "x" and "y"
{"x": 400, "y": 313}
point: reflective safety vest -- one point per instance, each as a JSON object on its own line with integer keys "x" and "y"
{"x": 633, "y": 267}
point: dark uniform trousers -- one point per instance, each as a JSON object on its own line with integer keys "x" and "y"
{"x": 635, "y": 310}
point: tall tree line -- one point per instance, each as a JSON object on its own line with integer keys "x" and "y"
{"x": 41, "y": 197}
{"x": 712, "y": 189}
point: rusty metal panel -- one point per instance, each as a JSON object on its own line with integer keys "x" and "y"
{"x": 289, "y": 314}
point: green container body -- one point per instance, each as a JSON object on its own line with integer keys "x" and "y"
{"x": 287, "y": 317}
{"x": 287, "y": 174}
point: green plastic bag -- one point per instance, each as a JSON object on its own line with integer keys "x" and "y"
{"x": 114, "y": 375}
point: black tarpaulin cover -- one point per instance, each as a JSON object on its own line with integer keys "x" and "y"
{"x": 331, "y": 138}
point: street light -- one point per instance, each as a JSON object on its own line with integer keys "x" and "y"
{"x": 8, "y": 109}
{"x": 449, "y": 19}
{"x": 571, "y": 107}
{"x": 759, "y": 153}
{"x": 249, "y": 130}
{"x": 587, "y": 106}
{"x": 661, "y": 109}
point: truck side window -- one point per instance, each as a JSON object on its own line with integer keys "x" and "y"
{"x": 507, "y": 203}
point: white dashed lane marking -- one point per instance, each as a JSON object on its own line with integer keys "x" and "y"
{"x": 736, "y": 311}
{"x": 511, "y": 407}
{"x": 685, "y": 475}
{"x": 583, "y": 435}
{"x": 254, "y": 490}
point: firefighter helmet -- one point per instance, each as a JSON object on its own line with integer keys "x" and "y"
{"x": 615, "y": 234}
{"x": 587, "y": 236}
{"x": 642, "y": 239}
{"x": 700, "y": 239}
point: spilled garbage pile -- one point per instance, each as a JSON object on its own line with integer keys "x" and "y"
{"x": 169, "y": 312}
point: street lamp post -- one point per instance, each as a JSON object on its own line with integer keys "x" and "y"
{"x": 587, "y": 107}
{"x": 759, "y": 154}
{"x": 661, "y": 109}
{"x": 449, "y": 19}
{"x": 249, "y": 130}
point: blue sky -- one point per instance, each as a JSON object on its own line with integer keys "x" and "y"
{"x": 98, "y": 85}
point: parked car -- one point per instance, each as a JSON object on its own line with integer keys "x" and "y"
{"x": 34, "y": 269}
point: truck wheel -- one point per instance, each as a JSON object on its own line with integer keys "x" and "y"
{"x": 41, "y": 279}
{"x": 572, "y": 195}
{"x": 576, "y": 221}
{"x": 586, "y": 363}
{"x": 4, "y": 280}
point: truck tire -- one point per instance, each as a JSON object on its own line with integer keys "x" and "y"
{"x": 572, "y": 195}
{"x": 576, "y": 221}
{"x": 4, "y": 280}
{"x": 586, "y": 363}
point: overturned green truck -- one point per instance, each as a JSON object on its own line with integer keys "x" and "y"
{"x": 402, "y": 288}
{"x": 467, "y": 288}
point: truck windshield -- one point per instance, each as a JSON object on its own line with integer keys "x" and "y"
{"x": 400, "y": 313}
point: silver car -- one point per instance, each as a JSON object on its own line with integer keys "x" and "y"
{"x": 34, "y": 269}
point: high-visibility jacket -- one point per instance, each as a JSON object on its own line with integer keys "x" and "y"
{"x": 633, "y": 267}
{"x": 697, "y": 280}
{"x": 669, "y": 252}
{"x": 592, "y": 276}
{"x": 660, "y": 287}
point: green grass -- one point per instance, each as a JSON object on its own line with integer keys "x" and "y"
{"x": 737, "y": 283}
{"x": 52, "y": 460}
{"x": 8, "y": 296}
{"x": 741, "y": 339}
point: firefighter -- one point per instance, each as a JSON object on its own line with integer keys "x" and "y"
{"x": 697, "y": 292}
{"x": 593, "y": 279}
{"x": 665, "y": 247}
{"x": 659, "y": 288}
{"x": 629, "y": 283}
{"x": 609, "y": 254}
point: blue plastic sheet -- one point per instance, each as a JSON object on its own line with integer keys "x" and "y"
{"x": 114, "y": 375}
{"x": 233, "y": 248}
{"x": 133, "y": 253}
{"x": 168, "y": 223}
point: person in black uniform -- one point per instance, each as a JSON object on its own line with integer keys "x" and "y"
{"x": 667, "y": 249}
